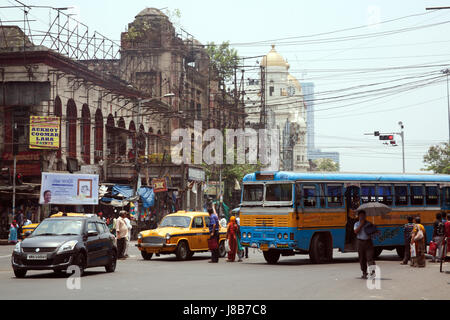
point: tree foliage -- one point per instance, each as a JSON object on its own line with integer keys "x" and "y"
{"x": 437, "y": 159}
{"x": 325, "y": 164}
{"x": 223, "y": 59}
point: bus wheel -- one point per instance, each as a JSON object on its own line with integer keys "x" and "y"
{"x": 271, "y": 256}
{"x": 400, "y": 251}
{"x": 321, "y": 249}
{"x": 376, "y": 252}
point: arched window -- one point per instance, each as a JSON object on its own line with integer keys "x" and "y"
{"x": 57, "y": 111}
{"x": 85, "y": 134}
{"x": 131, "y": 141}
{"x": 121, "y": 136}
{"x": 151, "y": 141}
{"x": 159, "y": 145}
{"x": 98, "y": 137}
{"x": 141, "y": 141}
{"x": 110, "y": 138}
{"x": 71, "y": 129}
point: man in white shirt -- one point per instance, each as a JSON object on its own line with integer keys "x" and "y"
{"x": 121, "y": 234}
{"x": 128, "y": 238}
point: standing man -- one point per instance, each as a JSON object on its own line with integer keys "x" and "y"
{"x": 214, "y": 232}
{"x": 128, "y": 238}
{"x": 121, "y": 234}
{"x": 365, "y": 245}
{"x": 408, "y": 228}
{"x": 438, "y": 236}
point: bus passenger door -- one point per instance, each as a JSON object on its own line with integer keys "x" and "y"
{"x": 352, "y": 202}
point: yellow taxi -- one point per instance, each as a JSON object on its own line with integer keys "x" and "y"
{"x": 182, "y": 233}
{"x": 28, "y": 229}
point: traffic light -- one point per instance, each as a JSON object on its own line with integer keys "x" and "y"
{"x": 393, "y": 142}
{"x": 19, "y": 177}
{"x": 388, "y": 137}
{"x": 376, "y": 133}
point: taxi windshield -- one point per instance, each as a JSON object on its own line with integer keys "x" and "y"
{"x": 176, "y": 221}
{"x": 58, "y": 227}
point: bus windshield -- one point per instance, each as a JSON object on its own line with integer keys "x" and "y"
{"x": 279, "y": 192}
{"x": 253, "y": 193}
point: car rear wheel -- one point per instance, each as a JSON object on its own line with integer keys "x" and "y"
{"x": 19, "y": 273}
{"x": 146, "y": 256}
{"x": 182, "y": 251}
{"x": 111, "y": 266}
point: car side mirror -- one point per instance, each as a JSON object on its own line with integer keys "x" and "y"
{"x": 92, "y": 233}
{"x": 27, "y": 233}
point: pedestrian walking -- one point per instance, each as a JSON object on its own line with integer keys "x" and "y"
{"x": 214, "y": 233}
{"x": 128, "y": 238}
{"x": 121, "y": 234}
{"x": 12, "y": 238}
{"x": 418, "y": 240}
{"x": 365, "y": 245}
{"x": 240, "y": 252}
{"x": 408, "y": 228}
{"x": 438, "y": 237}
{"x": 232, "y": 230}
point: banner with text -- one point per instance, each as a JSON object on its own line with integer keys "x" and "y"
{"x": 64, "y": 188}
{"x": 44, "y": 132}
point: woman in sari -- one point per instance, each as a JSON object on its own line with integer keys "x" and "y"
{"x": 419, "y": 243}
{"x": 232, "y": 238}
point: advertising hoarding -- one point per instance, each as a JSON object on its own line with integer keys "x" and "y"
{"x": 64, "y": 188}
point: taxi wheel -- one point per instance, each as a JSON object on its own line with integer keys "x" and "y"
{"x": 146, "y": 256}
{"x": 222, "y": 250}
{"x": 20, "y": 273}
{"x": 191, "y": 254}
{"x": 182, "y": 251}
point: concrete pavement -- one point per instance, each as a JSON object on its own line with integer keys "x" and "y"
{"x": 292, "y": 278}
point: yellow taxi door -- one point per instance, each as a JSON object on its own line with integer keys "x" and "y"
{"x": 197, "y": 229}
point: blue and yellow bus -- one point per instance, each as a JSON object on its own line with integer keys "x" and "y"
{"x": 287, "y": 213}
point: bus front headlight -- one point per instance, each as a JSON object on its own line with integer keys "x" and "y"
{"x": 244, "y": 235}
{"x": 279, "y": 236}
{"x": 249, "y": 235}
{"x": 285, "y": 236}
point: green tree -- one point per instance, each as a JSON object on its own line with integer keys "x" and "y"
{"x": 223, "y": 59}
{"x": 325, "y": 164}
{"x": 437, "y": 159}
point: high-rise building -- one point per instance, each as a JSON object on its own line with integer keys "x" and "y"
{"x": 312, "y": 152}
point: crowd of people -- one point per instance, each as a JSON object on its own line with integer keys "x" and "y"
{"x": 415, "y": 238}
{"x": 233, "y": 237}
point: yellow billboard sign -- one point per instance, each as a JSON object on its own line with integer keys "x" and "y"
{"x": 44, "y": 132}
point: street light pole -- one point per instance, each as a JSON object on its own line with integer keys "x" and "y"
{"x": 446, "y": 72}
{"x": 402, "y": 135}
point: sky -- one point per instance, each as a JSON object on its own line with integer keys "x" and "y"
{"x": 385, "y": 68}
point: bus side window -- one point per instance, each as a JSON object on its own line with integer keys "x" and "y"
{"x": 298, "y": 195}
{"x": 309, "y": 196}
{"x": 401, "y": 195}
{"x": 322, "y": 195}
{"x": 368, "y": 193}
{"x": 334, "y": 196}
{"x": 432, "y": 195}
{"x": 384, "y": 194}
{"x": 447, "y": 197}
{"x": 417, "y": 195}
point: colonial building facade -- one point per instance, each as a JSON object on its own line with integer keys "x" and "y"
{"x": 285, "y": 109}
